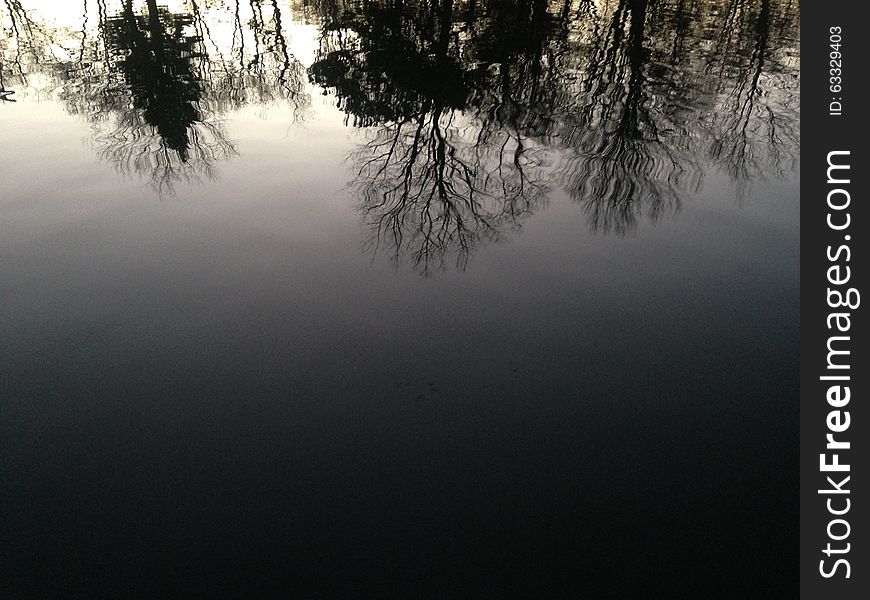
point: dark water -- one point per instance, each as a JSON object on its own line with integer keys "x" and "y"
{"x": 399, "y": 299}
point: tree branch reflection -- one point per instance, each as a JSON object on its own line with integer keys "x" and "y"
{"x": 480, "y": 99}
{"x": 154, "y": 84}
{"x": 471, "y": 113}
{"x": 443, "y": 169}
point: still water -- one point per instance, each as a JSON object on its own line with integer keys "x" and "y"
{"x": 446, "y": 298}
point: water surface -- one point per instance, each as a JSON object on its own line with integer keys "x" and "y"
{"x": 399, "y": 299}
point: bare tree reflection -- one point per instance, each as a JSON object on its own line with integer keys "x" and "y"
{"x": 21, "y": 31}
{"x": 154, "y": 84}
{"x": 620, "y": 166}
{"x": 435, "y": 177}
{"x": 426, "y": 193}
{"x": 618, "y": 95}
{"x": 146, "y": 101}
{"x": 260, "y": 71}
{"x": 470, "y": 111}
{"x": 755, "y": 129}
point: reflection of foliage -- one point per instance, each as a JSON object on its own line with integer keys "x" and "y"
{"x": 384, "y": 68}
{"x": 153, "y": 83}
{"x": 161, "y": 124}
{"x": 619, "y": 96}
{"x": 261, "y": 72}
{"x": 132, "y": 148}
{"x": 755, "y": 127}
{"x": 619, "y": 166}
{"x": 426, "y": 192}
{"x": 469, "y": 106}
{"x": 435, "y": 177}
{"x": 21, "y": 29}
{"x": 155, "y": 67}
{"x": 24, "y": 47}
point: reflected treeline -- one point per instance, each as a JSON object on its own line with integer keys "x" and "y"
{"x": 154, "y": 83}
{"x": 471, "y": 112}
{"x": 477, "y": 108}
{"x": 17, "y": 45}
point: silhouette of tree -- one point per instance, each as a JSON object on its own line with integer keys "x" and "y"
{"x": 756, "y": 133}
{"x": 437, "y": 175}
{"x": 149, "y": 87}
{"x": 153, "y": 84}
{"x": 21, "y": 30}
{"x": 470, "y": 111}
{"x": 620, "y": 166}
{"x": 23, "y": 47}
{"x": 260, "y": 70}
{"x": 386, "y": 62}
{"x": 610, "y": 92}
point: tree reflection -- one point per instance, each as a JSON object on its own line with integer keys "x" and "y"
{"x": 439, "y": 173}
{"x": 21, "y": 29}
{"x": 258, "y": 69}
{"x": 471, "y": 112}
{"x": 153, "y": 83}
{"x": 755, "y": 130}
{"x": 472, "y": 105}
{"x": 162, "y": 128}
{"x": 619, "y": 165}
